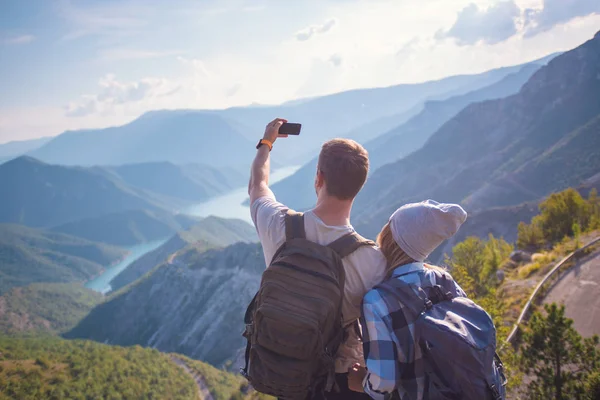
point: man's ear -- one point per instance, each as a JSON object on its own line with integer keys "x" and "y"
{"x": 319, "y": 179}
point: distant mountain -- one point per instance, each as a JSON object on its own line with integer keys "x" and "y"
{"x": 39, "y": 194}
{"x": 45, "y": 307}
{"x": 15, "y": 149}
{"x": 297, "y": 190}
{"x": 31, "y": 255}
{"x": 136, "y": 199}
{"x": 209, "y": 233}
{"x": 193, "y": 182}
{"x": 179, "y": 137}
{"x": 412, "y": 135}
{"x": 502, "y": 152}
{"x": 194, "y": 305}
{"x": 127, "y": 228}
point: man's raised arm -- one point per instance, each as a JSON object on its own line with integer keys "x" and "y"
{"x": 259, "y": 173}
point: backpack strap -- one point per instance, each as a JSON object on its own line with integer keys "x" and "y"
{"x": 349, "y": 243}
{"x": 294, "y": 225}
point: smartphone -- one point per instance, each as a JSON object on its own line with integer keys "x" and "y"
{"x": 289, "y": 128}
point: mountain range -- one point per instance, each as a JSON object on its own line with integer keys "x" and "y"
{"x": 505, "y": 151}
{"x": 226, "y": 138}
{"x": 297, "y": 190}
{"x": 44, "y": 195}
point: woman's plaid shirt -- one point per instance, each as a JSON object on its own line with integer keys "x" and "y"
{"x": 393, "y": 361}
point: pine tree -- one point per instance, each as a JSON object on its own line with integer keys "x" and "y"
{"x": 557, "y": 357}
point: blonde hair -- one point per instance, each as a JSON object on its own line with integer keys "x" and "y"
{"x": 393, "y": 253}
{"x": 344, "y": 164}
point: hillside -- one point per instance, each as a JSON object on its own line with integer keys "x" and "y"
{"x": 210, "y": 291}
{"x": 51, "y": 368}
{"x": 192, "y": 182}
{"x": 491, "y": 153}
{"x": 211, "y": 232}
{"x": 127, "y": 228}
{"x": 412, "y": 135}
{"x": 406, "y": 137}
{"x": 30, "y": 255}
{"x": 180, "y": 137}
{"x": 45, "y": 307}
{"x": 42, "y": 195}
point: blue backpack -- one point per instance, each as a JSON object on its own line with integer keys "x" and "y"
{"x": 457, "y": 339}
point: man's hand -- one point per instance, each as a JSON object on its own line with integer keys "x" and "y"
{"x": 272, "y": 130}
{"x": 356, "y": 376}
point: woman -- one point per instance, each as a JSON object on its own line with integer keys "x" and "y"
{"x": 394, "y": 363}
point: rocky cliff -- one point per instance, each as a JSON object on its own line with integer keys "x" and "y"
{"x": 193, "y": 305}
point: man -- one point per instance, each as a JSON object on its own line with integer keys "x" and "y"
{"x": 342, "y": 171}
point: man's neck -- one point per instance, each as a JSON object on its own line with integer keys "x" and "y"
{"x": 333, "y": 212}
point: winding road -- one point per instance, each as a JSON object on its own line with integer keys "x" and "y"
{"x": 579, "y": 291}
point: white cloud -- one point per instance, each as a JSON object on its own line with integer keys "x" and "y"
{"x": 114, "y": 93}
{"x": 554, "y": 12}
{"x": 492, "y": 25}
{"x": 506, "y": 19}
{"x": 313, "y": 30}
{"x": 22, "y": 39}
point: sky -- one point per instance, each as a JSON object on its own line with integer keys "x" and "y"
{"x": 78, "y": 64}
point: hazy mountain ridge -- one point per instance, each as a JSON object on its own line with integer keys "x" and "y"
{"x": 297, "y": 190}
{"x": 181, "y": 137}
{"x": 412, "y": 135}
{"x": 487, "y": 142}
{"x": 210, "y": 291}
{"x": 31, "y": 255}
{"x": 127, "y": 228}
{"x": 17, "y": 148}
{"x": 192, "y": 182}
{"x": 218, "y": 137}
{"x": 211, "y": 232}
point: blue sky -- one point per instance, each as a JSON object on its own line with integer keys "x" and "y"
{"x": 72, "y": 64}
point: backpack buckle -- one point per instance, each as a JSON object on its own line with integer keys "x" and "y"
{"x": 428, "y": 304}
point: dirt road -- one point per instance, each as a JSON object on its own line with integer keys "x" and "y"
{"x": 203, "y": 389}
{"x": 579, "y": 290}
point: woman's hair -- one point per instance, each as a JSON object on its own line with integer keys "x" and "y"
{"x": 394, "y": 255}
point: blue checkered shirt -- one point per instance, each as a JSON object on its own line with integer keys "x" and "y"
{"x": 393, "y": 361}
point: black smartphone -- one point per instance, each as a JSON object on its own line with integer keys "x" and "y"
{"x": 289, "y": 128}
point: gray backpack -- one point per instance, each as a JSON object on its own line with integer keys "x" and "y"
{"x": 456, "y": 338}
{"x": 294, "y": 323}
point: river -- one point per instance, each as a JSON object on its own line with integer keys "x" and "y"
{"x": 231, "y": 205}
{"x": 102, "y": 282}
